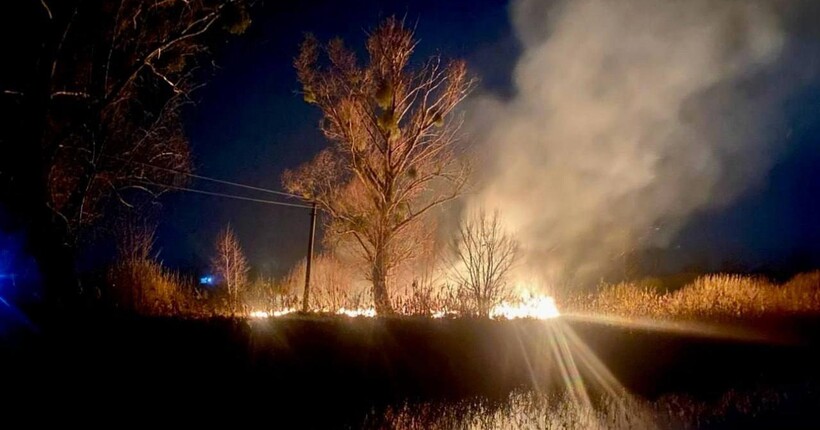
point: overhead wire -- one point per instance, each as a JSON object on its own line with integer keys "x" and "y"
{"x": 210, "y": 179}
{"x": 230, "y": 196}
{"x": 206, "y": 178}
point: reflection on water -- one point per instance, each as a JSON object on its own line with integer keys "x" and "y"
{"x": 589, "y": 396}
{"x": 533, "y": 410}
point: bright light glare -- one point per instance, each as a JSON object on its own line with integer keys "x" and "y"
{"x": 282, "y": 312}
{"x": 535, "y": 307}
{"x": 366, "y": 312}
{"x": 263, "y": 314}
{"x": 439, "y": 314}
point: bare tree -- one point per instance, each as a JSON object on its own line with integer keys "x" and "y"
{"x": 96, "y": 94}
{"x": 230, "y": 265}
{"x": 483, "y": 254}
{"x": 393, "y": 144}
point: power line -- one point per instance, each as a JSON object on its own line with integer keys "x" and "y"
{"x": 195, "y": 176}
{"x": 206, "y": 178}
{"x": 250, "y": 187}
{"x": 230, "y": 196}
{"x": 313, "y": 207}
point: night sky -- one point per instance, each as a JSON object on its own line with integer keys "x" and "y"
{"x": 250, "y": 124}
{"x": 775, "y": 227}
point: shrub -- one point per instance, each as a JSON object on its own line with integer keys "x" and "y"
{"x": 145, "y": 287}
{"x": 628, "y": 299}
{"x": 715, "y": 296}
{"x": 722, "y": 295}
{"x": 802, "y": 293}
{"x": 138, "y": 281}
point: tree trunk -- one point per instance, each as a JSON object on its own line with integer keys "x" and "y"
{"x": 484, "y": 307}
{"x": 381, "y": 298}
{"x": 54, "y": 255}
{"x": 26, "y": 196}
{"x": 24, "y": 167}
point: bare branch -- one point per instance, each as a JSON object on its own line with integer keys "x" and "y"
{"x": 48, "y": 10}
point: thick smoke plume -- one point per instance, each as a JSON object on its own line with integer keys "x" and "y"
{"x": 628, "y": 117}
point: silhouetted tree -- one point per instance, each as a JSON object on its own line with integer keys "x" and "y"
{"x": 483, "y": 256}
{"x": 392, "y": 157}
{"x": 230, "y": 265}
{"x": 94, "y": 90}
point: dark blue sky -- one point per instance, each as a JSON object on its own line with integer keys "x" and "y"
{"x": 250, "y": 124}
{"x": 775, "y": 227}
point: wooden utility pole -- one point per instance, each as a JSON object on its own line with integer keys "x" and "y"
{"x": 312, "y": 233}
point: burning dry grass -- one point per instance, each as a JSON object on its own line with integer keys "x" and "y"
{"x": 718, "y": 296}
{"x": 146, "y": 287}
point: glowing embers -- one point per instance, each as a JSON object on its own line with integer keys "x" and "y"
{"x": 263, "y": 314}
{"x": 530, "y": 306}
{"x": 535, "y": 307}
{"x": 360, "y": 312}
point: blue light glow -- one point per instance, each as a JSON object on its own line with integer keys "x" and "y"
{"x": 19, "y": 277}
{"x": 206, "y": 280}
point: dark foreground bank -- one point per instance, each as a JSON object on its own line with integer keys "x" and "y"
{"x": 332, "y": 372}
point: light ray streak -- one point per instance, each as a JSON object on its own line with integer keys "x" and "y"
{"x": 705, "y": 330}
